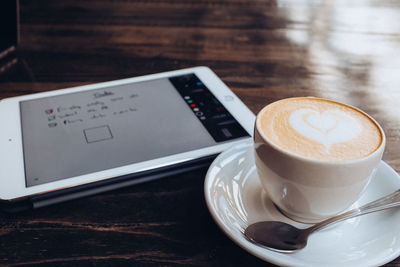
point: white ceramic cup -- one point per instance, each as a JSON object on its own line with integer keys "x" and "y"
{"x": 309, "y": 190}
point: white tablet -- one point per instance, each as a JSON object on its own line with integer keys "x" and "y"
{"x": 73, "y": 142}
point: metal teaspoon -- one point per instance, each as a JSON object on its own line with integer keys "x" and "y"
{"x": 283, "y": 237}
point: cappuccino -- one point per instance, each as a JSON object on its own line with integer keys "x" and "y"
{"x": 319, "y": 129}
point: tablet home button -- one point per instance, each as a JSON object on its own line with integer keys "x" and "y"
{"x": 228, "y": 98}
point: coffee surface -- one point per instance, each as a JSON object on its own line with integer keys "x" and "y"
{"x": 319, "y": 129}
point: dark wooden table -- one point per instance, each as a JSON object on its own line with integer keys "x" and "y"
{"x": 264, "y": 50}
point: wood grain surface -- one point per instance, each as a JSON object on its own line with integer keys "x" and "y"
{"x": 264, "y": 50}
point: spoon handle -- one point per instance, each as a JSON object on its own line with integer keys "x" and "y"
{"x": 386, "y": 202}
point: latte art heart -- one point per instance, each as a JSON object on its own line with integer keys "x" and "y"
{"x": 329, "y": 127}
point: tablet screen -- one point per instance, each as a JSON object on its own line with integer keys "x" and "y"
{"x": 79, "y": 133}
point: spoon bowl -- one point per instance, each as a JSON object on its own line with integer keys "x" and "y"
{"x": 286, "y": 238}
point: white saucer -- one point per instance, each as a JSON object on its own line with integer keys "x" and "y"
{"x": 235, "y": 199}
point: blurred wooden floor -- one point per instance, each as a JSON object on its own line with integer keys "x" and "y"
{"x": 263, "y": 50}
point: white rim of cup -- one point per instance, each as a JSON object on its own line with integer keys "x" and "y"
{"x": 291, "y": 154}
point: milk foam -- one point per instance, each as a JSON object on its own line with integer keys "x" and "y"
{"x": 329, "y": 127}
{"x": 319, "y": 129}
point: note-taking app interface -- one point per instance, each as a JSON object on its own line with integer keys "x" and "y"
{"x": 89, "y": 131}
